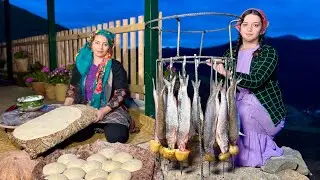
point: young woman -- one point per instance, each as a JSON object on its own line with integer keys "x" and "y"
{"x": 101, "y": 81}
{"x": 259, "y": 99}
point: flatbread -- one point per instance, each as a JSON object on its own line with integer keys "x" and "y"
{"x": 48, "y": 123}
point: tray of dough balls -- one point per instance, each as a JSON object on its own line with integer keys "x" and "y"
{"x": 97, "y": 161}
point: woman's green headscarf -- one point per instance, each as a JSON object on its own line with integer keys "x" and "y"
{"x": 84, "y": 60}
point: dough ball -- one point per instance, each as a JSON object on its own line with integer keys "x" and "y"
{"x": 65, "y": 158}
{"x": 91, "y": 165}
{"x": 111, "y": 165}
{"x": 100, "y": 179}
{"x": 56, "y": 177}
{"x": 76, "y": 163}
{"x": 77, "y": 179}
{"x": 107, "y": 152}
{"x": 119, "y": 174}
{"x": 97, "y": 157}
{"x": 132, "y": 165}
{"x": 122, "y": 157}
{"x": 74, "y": 173}
{"x": 97, "y": 173}
{"x": 53, "y": 168}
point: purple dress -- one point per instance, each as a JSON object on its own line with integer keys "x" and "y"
{"x": 89, "y": 83}
{"x": 257, "y": 146}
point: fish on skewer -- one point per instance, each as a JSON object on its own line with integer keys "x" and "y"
{"x": 171, "y": 115}
{"x": 234, "y": 129}
{"x": 184, "y": 109}
{"x": 222, "y": 134}
{"x": 195, "y": 108}
{"x": 210, "y": 118}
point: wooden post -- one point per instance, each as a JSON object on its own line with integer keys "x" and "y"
{"x": 52, "y": 35}
{"x": 151, "y": 53}
{"x": 7, "y": 25}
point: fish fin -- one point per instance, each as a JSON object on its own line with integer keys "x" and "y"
{"x": 166, "y": 82}
{"x": 193, "y": 84}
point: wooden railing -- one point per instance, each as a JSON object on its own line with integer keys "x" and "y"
{"x": 129, "y": 48}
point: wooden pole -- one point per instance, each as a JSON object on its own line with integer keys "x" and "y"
{"x": 52, "y": 35}
{"x": 7, "y": 26}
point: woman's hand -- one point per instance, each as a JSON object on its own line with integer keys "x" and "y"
{"x": 101, "y": 113}
{"x": 219, "y": 67}
{"x": 68, "y": 101}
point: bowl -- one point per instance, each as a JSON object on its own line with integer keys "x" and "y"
{"x": 30, "y": 103}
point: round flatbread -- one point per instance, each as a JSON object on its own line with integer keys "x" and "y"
{"x": 122, "y": 157}
{"x": 119, "y": 174}
{"x": 111, "y": 165}
{"x": 107, "y": 152}
{"x": 91, "y": 165}
{"x": 74, "y": 173}
{"x": 66, "y": 158}
{"x": 56, "y": 177}
{"x": 132, "y": 165}
{"x": 97, "y": 173}
{"x": 97, "y": 157}
{"x": 53, "y": 168}
{"x": 76, "y": 163}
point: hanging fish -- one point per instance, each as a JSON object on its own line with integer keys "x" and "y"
{"x": 184, "y": 113}
{"x": 211, "y": 115}
{"x": 195, "y": 108}
{"x": 222, "y": 131}
{"x": 234, "y": 129}
{"x": 171, "y": 115}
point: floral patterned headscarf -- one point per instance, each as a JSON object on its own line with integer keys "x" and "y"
{"x": 84, "y": 61}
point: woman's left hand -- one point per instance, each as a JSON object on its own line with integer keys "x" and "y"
{"x": 101, "y": 113}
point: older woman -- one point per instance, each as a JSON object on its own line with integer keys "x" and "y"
{"x": 101, "y": 82}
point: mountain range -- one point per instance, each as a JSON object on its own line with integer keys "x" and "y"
{"x": 297, "y": 71}
{"x": 24, "y": 23}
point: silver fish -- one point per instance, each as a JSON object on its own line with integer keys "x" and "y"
{"x": 232, "y": 112}
{"x": 195, "y": 108}
{"x": 184, "y": 113}
{"x": 171, "y": 115}
{"x": 210, "y": 119}
{"x": 222, "y": 135}
{"x": 159, "y": 129}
